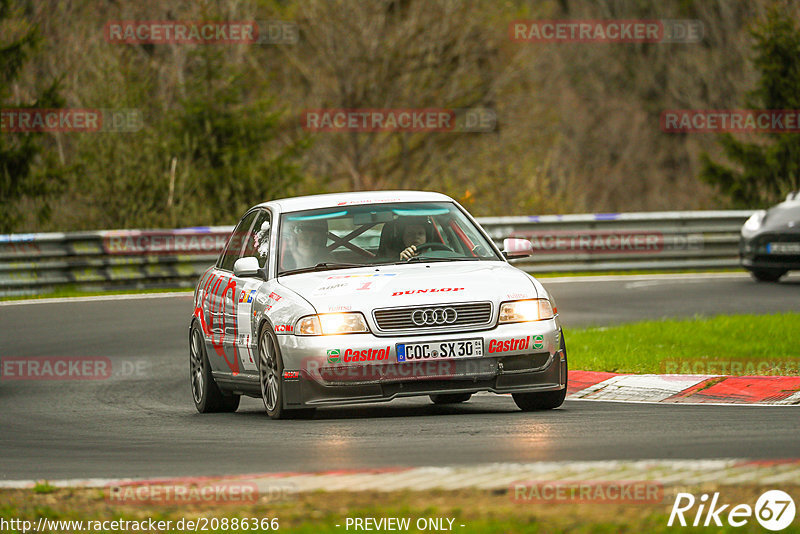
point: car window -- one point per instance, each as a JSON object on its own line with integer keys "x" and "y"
{"x": 257, "y": 241}
{"x": 235, "y": 241}
{"x": 375, "y": 234}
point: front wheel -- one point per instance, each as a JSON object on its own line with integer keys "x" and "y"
{"x": 270, "y": 369}
{"x": 208, "y": 398}
{"x": 528, "y": 402}
{"x": 767, "y": 275}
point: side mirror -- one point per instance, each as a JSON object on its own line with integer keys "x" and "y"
{"x": 247, "y": 268}
{"x": 516, "y": 248}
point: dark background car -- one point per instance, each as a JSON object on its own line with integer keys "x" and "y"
{"x": 770, "y": 243}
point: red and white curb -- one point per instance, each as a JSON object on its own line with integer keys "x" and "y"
{"x": 495, "y": 476}
{"x": 684, "y": 389}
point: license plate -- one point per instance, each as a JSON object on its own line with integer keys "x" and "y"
{"x": 783, "y": 248}
{"x": 460, "y": 348}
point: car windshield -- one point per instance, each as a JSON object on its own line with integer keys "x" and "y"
{"x": 372, "y": 234}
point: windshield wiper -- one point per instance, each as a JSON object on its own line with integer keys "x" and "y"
{"x": 425, "y": 258}
{"x": 324, "y": 266}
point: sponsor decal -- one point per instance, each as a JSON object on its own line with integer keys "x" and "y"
{"x": 213, "y": 315}
{"x": 538, "y": 342}
{"x": 247, "y": 296}
{"x": 519, "y": 296}
{"x": 369, "y": 201}
{"x": 342, "y": 284}
{"x": 509, "y": 345}
{"x": 283, "y": 328}
{"x": 334, "y": 355}
{"x": 366, "y": 355}
{"x": 588, "y": 491}
{"x": 372, "y": 275}
{"x": 291, "y": 375}
{"x": 340, "y": 308}
{"x": 329, "y": 288}
{"x": 418, "y": 291}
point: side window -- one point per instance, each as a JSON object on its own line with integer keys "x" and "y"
{"x": 235, "y": 242}
{"x": 257, "y": 244}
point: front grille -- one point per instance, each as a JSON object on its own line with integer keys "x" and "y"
{"x": 468, "y": 314}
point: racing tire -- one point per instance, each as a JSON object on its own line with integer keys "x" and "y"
{"x": 270, "y": 370}
{"x": 529, "y": 402}
{"x": 207, "y": 396}
{"x": 450, "y": 398}
{"x": 767, "y": 275}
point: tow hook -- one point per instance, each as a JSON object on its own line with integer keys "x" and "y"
{"x": 499, "y": 368}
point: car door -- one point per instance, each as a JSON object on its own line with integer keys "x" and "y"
{"x": 256, "y": 245}
{"x": 221, "y": 296}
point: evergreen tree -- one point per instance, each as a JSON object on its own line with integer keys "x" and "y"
{"x": 19, "y": 152}
{"x": 768, "y": 170}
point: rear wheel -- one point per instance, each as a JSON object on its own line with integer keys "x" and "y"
{"x": 767, "y": 275}
{"x": 208, "y": 398}
{"x": 270, "y": 369}
{"x": 450, "y": 398}
{"x": 528, "y": 402}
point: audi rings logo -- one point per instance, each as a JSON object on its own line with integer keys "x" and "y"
{"x": 434, "y": 316}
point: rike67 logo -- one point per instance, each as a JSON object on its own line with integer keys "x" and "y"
{"x": 774, "y": 510}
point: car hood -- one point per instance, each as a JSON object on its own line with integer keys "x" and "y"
{"x": 387, "y": 286}
{"x": 784, "y": 216}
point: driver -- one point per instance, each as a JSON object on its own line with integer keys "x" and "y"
{"x": 309, "y": 248}
{"x": 414, "y": 234}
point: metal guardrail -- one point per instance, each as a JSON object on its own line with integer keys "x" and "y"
{"x": 36, "y": 263}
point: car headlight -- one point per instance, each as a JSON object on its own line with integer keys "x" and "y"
{"x": 331, "y": 323}
{"x": 754, "y": 222}
{"x": 520, "y": 311}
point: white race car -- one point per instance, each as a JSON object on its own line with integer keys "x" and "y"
{"x": 363, "y": 297}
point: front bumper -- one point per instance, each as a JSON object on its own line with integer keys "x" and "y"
{"x": 755, "y": 253}
{"x": 531, "y": 361}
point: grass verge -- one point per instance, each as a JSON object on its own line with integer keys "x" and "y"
{"x": 768, "y": 342}
{"x": 477, "y": 510}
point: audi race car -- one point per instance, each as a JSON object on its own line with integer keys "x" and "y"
{"x": 361, "y": 297}
{"x": 770, "y": 243}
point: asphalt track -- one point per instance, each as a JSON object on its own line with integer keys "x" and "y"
{"x": 141, "y": 421}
